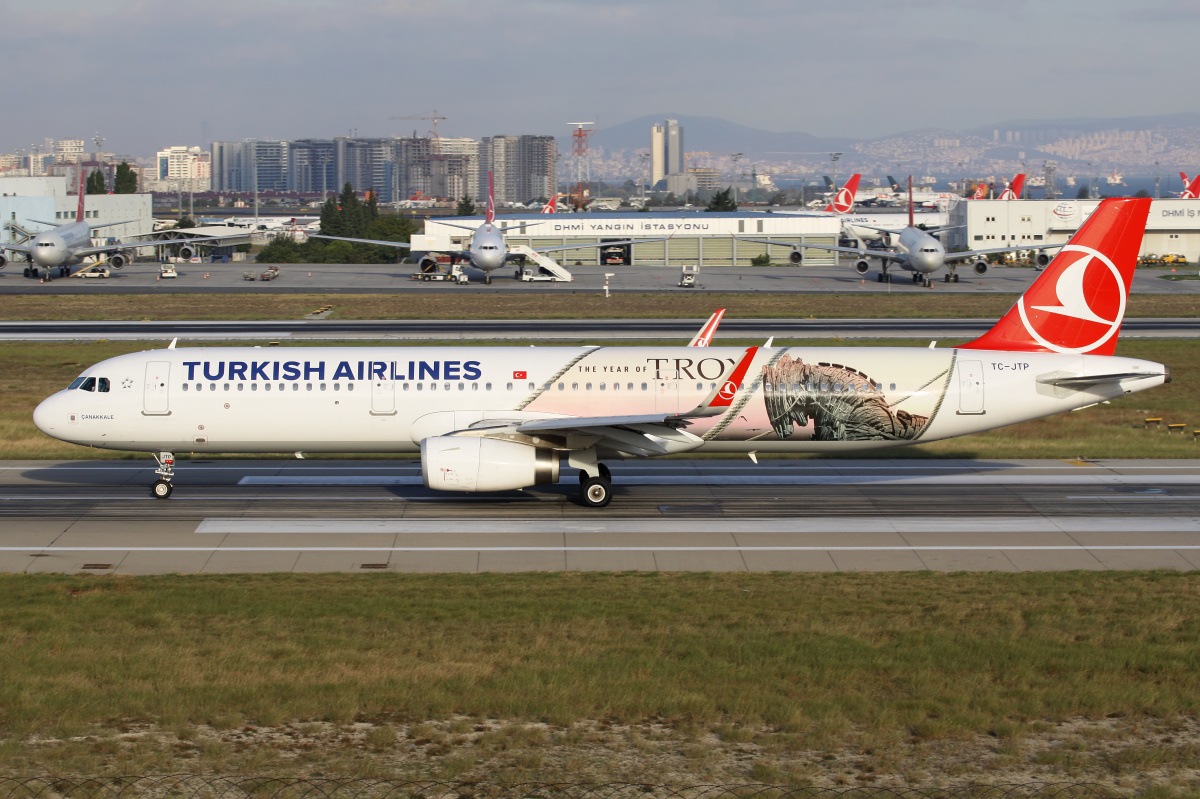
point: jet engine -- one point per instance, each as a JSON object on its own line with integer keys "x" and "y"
{"x": 3, "y": 260}
{"x": 468, "y": 463}
{"x": 118, "y": 260}
{"x": 427, "y": 264}
{"x": 795, "y": 257}
{"x": 1042, "y": 259}
{"x": 980, "y": 267}
{"x": 187, "y": 252}
{"x": 862, "y": 267}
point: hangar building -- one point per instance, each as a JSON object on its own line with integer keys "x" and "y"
{"x": 1173, "y": 226}
{"x": 25, "y": 200}
{"x": 706, "y": 239}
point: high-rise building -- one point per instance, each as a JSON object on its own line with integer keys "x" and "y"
{"x": 249, "y": 165}
{"x": 312, "y": 166}
{"x": 368, "y": 165}
{"x": 666, "y": 150}
{"x": 68, "y": 151}
{"x": 180, "y": 164}
{"x": 522, "y": 167}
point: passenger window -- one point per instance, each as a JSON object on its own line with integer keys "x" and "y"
{"x": 102, "y": 384}
{"x": 349, "y": 386}
{"x": 308, "y": 386}
{"x": 587, "y": 387}
{"x": 561, "y": 386}
{"x": 532, "y": 386}
{"x": 212, "y": 386}
{"x": 406, "y": 386}
{"x": 447, "y": 386}
{"x": 420, "y": 386}
{"x": 337, "y": 386}
{"x": 474, "y": 386}
{"x": 616, "y": 386}
{"x": 893, "y": 387}
{"x": 266, "y": 386}
{"x": 226, "y": 386}
{"x": 462, "y": 386}
{"x": 487, "y": 387}
{"x": 643, "y": 386}
{"x": 322, "y": 386}
{"x": 510, "y": 386}
{"x": 185, "y": 386}
{"x": 295, "y": 386}
{"x": 241, "y": 386}
{"x": 199, "y": 386}
{"x": 602, "y": 386}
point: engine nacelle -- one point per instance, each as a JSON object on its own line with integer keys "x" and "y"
{"x": 980, "y": 267}
{"x": 427, "y": 264}
{"x": 3, "y": 260}
{"x": 468, "y": 463}
{"x": 118, "y": 260}
{"x": 1042, "y": 259}
{"x": 862, "y": 267}
{"x": 187, "y": 252}
{"x": 795, "y": 257}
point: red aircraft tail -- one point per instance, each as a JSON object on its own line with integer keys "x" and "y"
{"x": 491, "y": 206}
{"x": 551, "y": 204}
{"x": 843, "y": 201}
{"x": 1191, "y": 190}
{"x": 79, "y": 214}
{"x": 1076, "y": 305}
{"x": 1013, "y": 192}
{"x": 980, "y": 192}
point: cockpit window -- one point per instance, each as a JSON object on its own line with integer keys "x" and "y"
{"x": 102, "y": 384}
{"x": 76, "y": 383}
{"x": 88, "y": 384}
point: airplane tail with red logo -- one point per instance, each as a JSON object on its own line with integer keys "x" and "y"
{"x": 980, "y": 192}
{"x": 1191, "y": 190}
{"x": 1076, "y": 305}
{"x": 843, "y": 201}
{"x": 79, "y": 214}
{"x": 551, "y": 205}
{"x": 491, "y": 205}
{"x": 1013, "y": 192}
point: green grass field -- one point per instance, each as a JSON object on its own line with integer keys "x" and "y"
{"x": 30, "y": 372}
{"x": 786, "y": 667}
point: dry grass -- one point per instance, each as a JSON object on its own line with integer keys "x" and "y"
{"x": 581, "y": 305}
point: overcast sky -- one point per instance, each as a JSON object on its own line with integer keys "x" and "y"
{"x": 146, "y": 74}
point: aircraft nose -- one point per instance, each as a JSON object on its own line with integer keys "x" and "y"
{"x": 44, "y": 416}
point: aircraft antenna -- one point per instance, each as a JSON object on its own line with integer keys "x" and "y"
{"x": 580, "y": 193}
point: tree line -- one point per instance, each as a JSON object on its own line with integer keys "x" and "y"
{"x": 349, "y": 217}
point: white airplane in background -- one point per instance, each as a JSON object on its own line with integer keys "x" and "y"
{"x": 488, "y": 250}
{"x": 66, "y": 245}
{"x": 917, "y": 250}
{"x": 503, "y": 418}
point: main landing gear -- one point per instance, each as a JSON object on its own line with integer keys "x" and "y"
{"x": 595, "y": 491}
{"x": 161, "y": 488}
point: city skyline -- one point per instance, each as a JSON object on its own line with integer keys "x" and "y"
{"x": 312, "y": 69}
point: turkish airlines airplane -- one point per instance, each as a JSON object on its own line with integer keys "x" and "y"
{"x": 843, "y": 201}
{"x": 503, "y": 418}
{"x": 488, "y": 250}
{"x": 64, "y": 246}
{"x": 1191, "y": 190}
{"x": 917, "y": 250}
{"x": 1013, "y": 190}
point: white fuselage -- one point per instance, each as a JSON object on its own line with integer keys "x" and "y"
{"x": 853, "y": 224}
{"x": 919, "y": 251}
{"x": 388, "y": 399}
{"x": 57, "y": 246}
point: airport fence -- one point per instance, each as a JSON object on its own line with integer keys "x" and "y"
{"x": 193, "y": 786}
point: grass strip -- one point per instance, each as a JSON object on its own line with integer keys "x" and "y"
{"x": 943, "y": 655}
{"x": 557, "y": 305}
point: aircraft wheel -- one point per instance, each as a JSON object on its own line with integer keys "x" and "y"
{"x": 161, "y": 489}
{"x": 516, "y": 274}
{"x": 879, "y": 278}
{"x": 596, "y": 492}
{"x": 27, "y": 271}
{"x": 956, "y": 278}
{"x": 946, "y": 278}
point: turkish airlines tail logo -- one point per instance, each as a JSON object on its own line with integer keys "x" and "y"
{"x": 1013, "y": 192}
{"x": 1191, "y": 190}
{"x": 980, "y": 192}
{"x": 705, "y": 336}
{"x": 1076, "y": 305}
{"x": 551, "y": 204}
{"x": 843, "y": 203}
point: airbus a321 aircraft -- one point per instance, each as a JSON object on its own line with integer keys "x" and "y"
{"x": 503, "y": 418}
{"x": 64, "y": 246}
{"x": 917, "y": 250}
{"x": 488, "y": 251}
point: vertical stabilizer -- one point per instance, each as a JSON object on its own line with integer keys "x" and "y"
{"x": 1076, "y": 305}
{"x": 1191, "y": 191}
{"x": 491, "y": 205}
{"x": 79, "y": 214}
{"x": 1013, "y": 192}
{"x": 843, "y": 201}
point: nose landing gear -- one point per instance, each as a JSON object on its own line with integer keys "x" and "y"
{"x": 161, "y": 488}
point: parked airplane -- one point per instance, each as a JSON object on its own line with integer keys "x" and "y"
{"x": 66, "y": 245}
{"x": 1191, "y": 190}
{"x": 488, "y": 250}
{"x": 917, "y": 250}
{"x": 925, "y": 199}
{"x": 502, "y": 418}
{"x": 843, "y": 201}
{"x": 981, "y": 192}
{"x": 551, "y": 205}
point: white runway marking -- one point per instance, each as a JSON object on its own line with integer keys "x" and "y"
{"x": 818, "y": 524}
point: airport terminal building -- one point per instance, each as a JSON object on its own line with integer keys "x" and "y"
{"x": 704, "y": 239}
{"x": 1173, "y": 226}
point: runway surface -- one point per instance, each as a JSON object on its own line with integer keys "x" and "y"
{"x": 142, "y": 278}
{"x": 679, "y": 515}
{"x": 526, "y": 330}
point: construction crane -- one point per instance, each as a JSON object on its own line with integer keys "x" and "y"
{"x": 433, "y": 117}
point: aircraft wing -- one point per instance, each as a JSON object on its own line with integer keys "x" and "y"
{"x": 21, "y": 248}
{"x": 962, "y": 256}
{"x": 601, "y": 244}
{"x": 404, "y": 245}
{"x": 860, "y": 251}
{"x": 137, "y": 245}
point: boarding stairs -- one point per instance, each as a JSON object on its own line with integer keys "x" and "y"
{"x": 553, "y": 268}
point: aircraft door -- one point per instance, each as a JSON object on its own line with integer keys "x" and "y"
{"x": 383, "y": 397}
{"x": 970, "y": 387}
{"x": 155, "y": 400}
